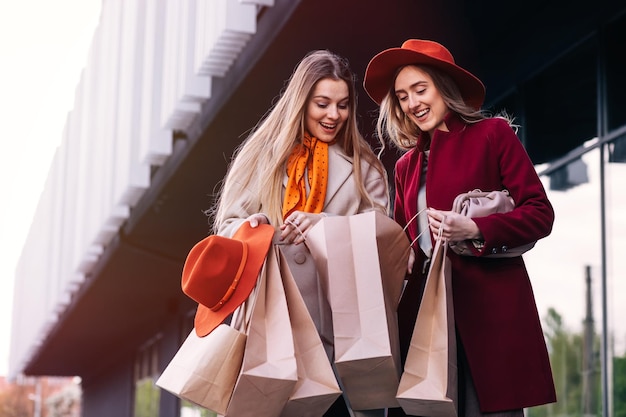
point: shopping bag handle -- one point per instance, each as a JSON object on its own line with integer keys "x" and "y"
{"x": 439, "y": 236}
{"x": 411, "y": 221}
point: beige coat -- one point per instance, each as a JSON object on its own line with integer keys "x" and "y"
{"x": 342, "y": 198}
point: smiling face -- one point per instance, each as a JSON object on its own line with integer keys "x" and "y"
{"x": 420, "y": 99}
{"x": 327, "y": 109}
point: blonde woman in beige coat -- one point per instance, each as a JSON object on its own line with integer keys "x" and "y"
{"x": 306, "y": 159}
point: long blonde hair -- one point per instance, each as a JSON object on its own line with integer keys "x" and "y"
{"x": 395, "y": 125}
{"x": 258, "y": 166}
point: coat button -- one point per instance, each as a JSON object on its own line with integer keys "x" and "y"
{"x": 300, "y": 258}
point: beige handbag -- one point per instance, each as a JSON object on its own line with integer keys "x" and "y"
{"x": 428, "y": 386}
{"x": 479, "y": 203}
{"x": 362, "y": 263}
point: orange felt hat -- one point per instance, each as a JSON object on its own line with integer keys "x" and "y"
{"x": 381, "y": 70}
{"x": 220, "y": 273}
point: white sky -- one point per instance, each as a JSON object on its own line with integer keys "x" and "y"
{"x": 43, "y": 48}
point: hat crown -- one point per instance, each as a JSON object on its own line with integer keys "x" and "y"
{"x": 220, "y": 273}
{"x": 429, "y": 48}
{"x": 382, "y": 69}
{"x": 211, "y": 277}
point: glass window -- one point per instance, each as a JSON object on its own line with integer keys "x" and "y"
{"x": 147, "y": 394}
{"x": 560, "y": 105}
{"x": 565, "y": 270}
{"x": 615, "y": 174}
{"x": 615, "y": 70}
{"x": 567, "y": 275}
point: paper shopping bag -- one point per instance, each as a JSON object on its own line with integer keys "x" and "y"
{"x": 316, "y": 388}
{"x": 428, "y": 386}
{"x": 362, "y": 262}
{"x": 204, "y": 369}
{"x": 269, "y": 370}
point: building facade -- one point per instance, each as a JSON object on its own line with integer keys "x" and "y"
{"x": 171, "y": 88}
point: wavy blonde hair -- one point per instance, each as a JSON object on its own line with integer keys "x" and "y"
{"x": 258, "y": 165}
{"x": 395, "y": 125}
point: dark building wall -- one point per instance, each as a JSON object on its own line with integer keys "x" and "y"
{"x": 110, "y": 394}
{"x": 174, "y": 333}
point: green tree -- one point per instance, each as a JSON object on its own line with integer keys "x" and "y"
{"x": 619, "y": 386}
{"x": 147, "y": 397}
{"x": 566, "y": 352}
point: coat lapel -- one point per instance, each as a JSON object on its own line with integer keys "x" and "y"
{"x": 339, "y": 170}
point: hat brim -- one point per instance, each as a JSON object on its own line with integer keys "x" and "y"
{"x": 381, "y": 70}
{"x": 258, "y": 240}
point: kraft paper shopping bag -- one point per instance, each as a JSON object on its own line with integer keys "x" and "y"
{"x": 204, "y": 369}
{"x": 317, "y": 387}
{"x": 269, "y": 369}
{"x": 362, "y": 262}
{"x": 428, "y": 386}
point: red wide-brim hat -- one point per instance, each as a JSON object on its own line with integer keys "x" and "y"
{"x": 381, "y": 70}
{"x": 220, "y": 273}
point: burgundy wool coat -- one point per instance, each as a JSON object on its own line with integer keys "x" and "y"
{"x": 495, "y": 311}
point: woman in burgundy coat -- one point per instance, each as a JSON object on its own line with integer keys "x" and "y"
{"x": 430, "y": 108}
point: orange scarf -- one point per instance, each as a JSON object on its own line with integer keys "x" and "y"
{"x": 310, "y": 156}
